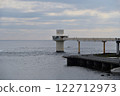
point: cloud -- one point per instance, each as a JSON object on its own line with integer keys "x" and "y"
{"x": 86, "y": 12}
{"x": 110, "y": 32}
{"x": 31, "y": 21}
{"x": 32, "y": 6}
{"x": 17, "y": 21}
{"x": 16, "y": 4}
{"x": 25, "y": 34}
{"x": 77, "y": 17}
{"x": 9, "y": 19}
{"x": 113, "y": 29}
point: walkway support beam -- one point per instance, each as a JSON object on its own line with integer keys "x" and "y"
{"x": 117, "y": 47}
{"x": 104, "y": 46}
{"x": 78, "y": 47}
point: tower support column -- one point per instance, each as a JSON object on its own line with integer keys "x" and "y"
{"x": 59, "y": 46}
{"x": 60, "y": 38}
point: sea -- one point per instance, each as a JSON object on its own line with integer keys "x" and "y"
{"x": 38, "y": 60}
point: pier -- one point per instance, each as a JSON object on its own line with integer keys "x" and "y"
{"x": 60, "y": 38}
{"x": 90, "y": 61}
{"x": 93, "y": 62}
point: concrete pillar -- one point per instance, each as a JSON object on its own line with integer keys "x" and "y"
{"x": 60, "y": 38}
{"x": 59, "y": 46}
{"x": 78, "y": 47}
{"x": 117, "y": 48}
{"x": 104, "y": 46}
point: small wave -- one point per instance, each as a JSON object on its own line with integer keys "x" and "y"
{"x": 1, "y": 50}
{"x": 30, "y": 53}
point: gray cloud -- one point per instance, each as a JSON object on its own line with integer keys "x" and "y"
{"x": 38, "y": 19}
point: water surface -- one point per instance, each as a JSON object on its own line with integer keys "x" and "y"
{"x": 37, "y": 60}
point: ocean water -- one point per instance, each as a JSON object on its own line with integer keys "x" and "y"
{"x": 37, "y": 60}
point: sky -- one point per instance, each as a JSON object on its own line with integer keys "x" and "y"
{"x": 39, "y": 19}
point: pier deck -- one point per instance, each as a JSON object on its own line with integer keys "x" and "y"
{"x": 92, "y": 39}
{"x": 93, "y": 62}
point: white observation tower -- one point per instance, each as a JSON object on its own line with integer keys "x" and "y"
{"x": 59, "y": 38}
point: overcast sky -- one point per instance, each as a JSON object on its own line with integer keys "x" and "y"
{"x": 39, "y": 19}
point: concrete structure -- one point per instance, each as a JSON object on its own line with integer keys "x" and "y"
{"x": 93, "y": 62}
{"x": 78, "y": 47}
{"x": 60, "y": 38}
{"x": 104, "y": 46}
{"x": 116, "y": 70}
{"x": 117, "y": 46}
